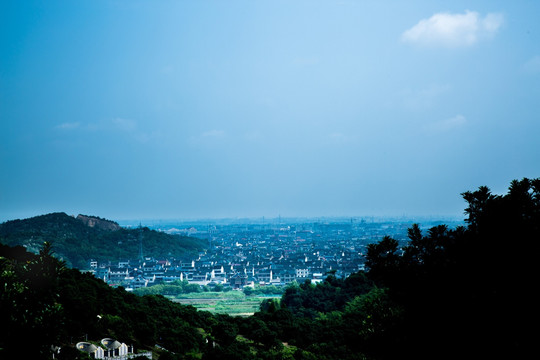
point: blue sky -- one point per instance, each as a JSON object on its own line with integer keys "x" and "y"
{"x": 209, "y": 109}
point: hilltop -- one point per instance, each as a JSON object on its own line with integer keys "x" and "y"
{"x": 94, "y": 221}
{"x": 76, "y": 240}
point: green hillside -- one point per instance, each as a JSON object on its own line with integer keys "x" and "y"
{"x": 77, "y": 240}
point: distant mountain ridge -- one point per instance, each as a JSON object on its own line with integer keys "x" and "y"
{"x": 79, "y": 239}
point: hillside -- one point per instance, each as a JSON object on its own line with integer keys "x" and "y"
{"x": 79, "y": 239}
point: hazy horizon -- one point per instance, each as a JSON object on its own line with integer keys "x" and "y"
{"x": 244, "y": 109}
{"x": 123, "y": 221}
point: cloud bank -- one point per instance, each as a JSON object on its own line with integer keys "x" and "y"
{"x": 453, "y": 30}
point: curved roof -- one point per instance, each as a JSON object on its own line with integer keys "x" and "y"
{"x": 86, "y": 347}
{"x": 110, "y": 344}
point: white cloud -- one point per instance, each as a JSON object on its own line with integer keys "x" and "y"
{"x": 453, "y": 30}
{"x": 126, "y": 125}
{"x": 131, "y": 128}
{"x": 446, "y": 125}
{"x": 69, "y": 126}
{"x": 338, "y": 137}
{"x": 213, "y": 134}
{"x": 208, "y": 138}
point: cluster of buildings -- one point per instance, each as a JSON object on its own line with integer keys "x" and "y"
{"x": 248, "y": 254}
{"x": 110, "y": 349}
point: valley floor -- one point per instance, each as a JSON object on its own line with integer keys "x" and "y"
{"x": 234, "y": 303}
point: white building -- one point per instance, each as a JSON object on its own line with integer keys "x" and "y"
{"x": 302, "y": 273}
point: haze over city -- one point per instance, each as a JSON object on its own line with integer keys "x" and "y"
{"x": 161, "y": 109}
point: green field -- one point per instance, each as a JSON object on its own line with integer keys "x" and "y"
{"x": 234, "y": 303}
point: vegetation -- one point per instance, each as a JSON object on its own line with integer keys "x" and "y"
{"x": 234, "y": 303}
{"x": 461, "y": 293}
{"x": 76, "y": 243}
{"x": 263, "y": 290}
{"x": 216, "y": 298}
{"x": 175, "y": 288}
{"x": 333, "y": 294}
{"x": 178, "y": 287}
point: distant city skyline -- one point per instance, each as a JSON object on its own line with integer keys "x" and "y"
{"x": 167, "y": 223}
{"x": 244, "y": 109}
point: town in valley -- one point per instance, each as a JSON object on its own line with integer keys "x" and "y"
{"x": 245, "y": 253}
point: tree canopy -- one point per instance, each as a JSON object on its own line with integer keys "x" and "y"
{"x": 77, "y": 243}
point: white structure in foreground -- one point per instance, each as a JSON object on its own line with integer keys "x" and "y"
{"x": 112, "y": 349}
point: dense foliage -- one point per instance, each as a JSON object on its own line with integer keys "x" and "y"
{"x": 77, "y": 243}
{"x": 333, "y": 294}
{"x": 450, "y": 293}
{"x": 43, "y": 303}
{"x": 179, "y": 287}
{"x": 172, "y": 289}
{"x": 468, "y": 290}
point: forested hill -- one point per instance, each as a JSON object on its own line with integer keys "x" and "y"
{"x": 79, "y": 239}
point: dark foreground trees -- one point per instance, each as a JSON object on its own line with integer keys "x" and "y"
{"x": 29, "y": 309}
{"x": 467, "y": 291}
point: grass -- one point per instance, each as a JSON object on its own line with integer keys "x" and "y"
{"x": 234, "y": 303}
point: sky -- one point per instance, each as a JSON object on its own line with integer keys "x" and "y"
{"x": 228, "y": 109}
